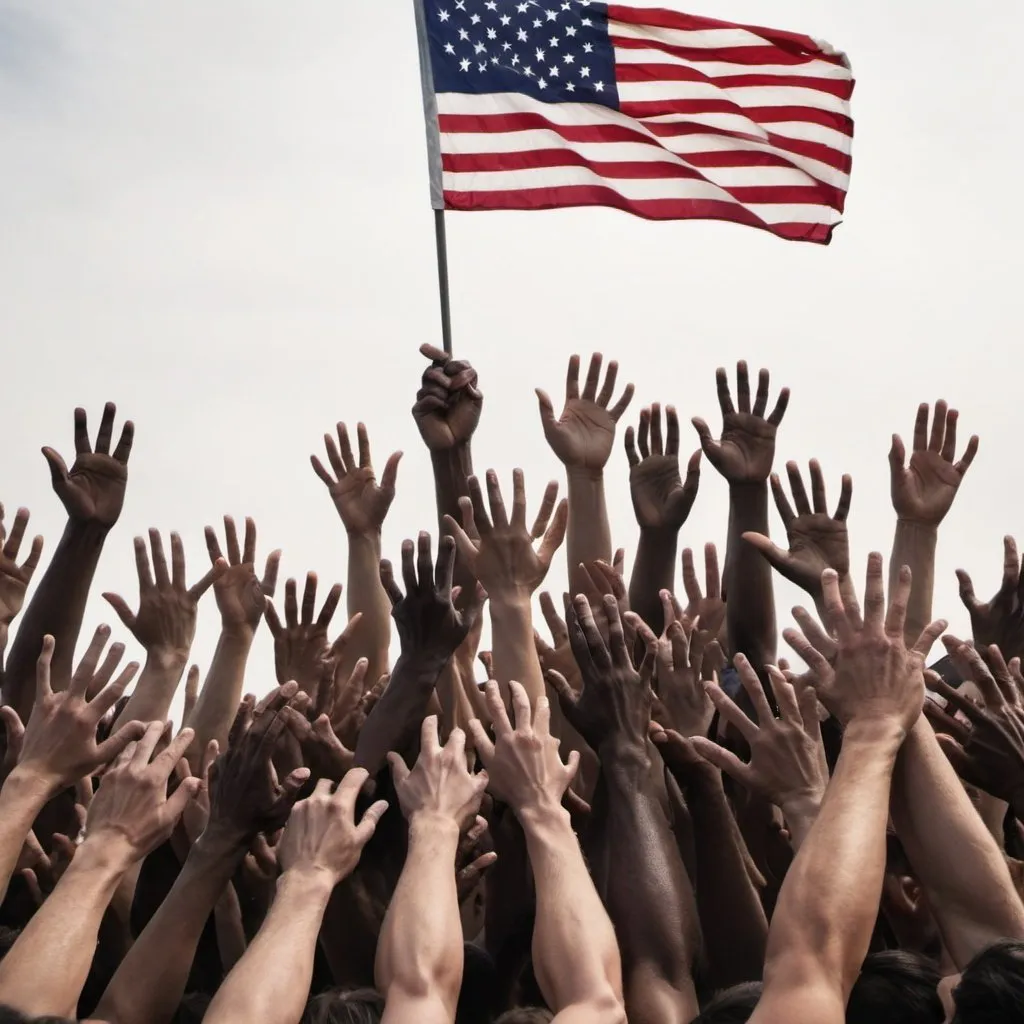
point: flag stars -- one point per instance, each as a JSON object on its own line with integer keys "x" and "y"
{"x": 551, "y": 15}
{"x": 522, "y": 8}
{"x": 570, "y": 87}
{"x": 474, "y": 19}
{"x": 522, "y": 35}
{"x": 599, "y": 86}
{"x": 444, "y": 15}
{"x": 479, "y": 48}
{"x": 571, "y": 31}
{"x": 492, "y": 33}
{"x": 569, "y": 59}
{"x": 494, "y": 61}
{"x": 515, "y": 59}
{"x": 506, "y": 20}
{"x": 449, "y": 49}
{"x": 460, "y": 5}
{"x": 586, "y": 23}
{"x": 540, "y": 55}
{"x": 464, "y": 64}
{"x": 506, "y": 47}
{"x": 588, "y": 47}
{"x": 553, "y": 42}
{"x": 463, "y": 35}
{"x": 541, "y": 84}
{"x": 528, "y": 71}
{"x": 491, "y": 5}
{"x": 553, "y": 73}
{"x": 537, "y": 23}
{"x": 584, "y": 72}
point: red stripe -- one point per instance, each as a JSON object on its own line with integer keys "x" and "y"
{"x": 841, "y": 89}
{"x": 641, "y": 109}
{"x": 651, "y": 209}
{"x": 751, "y": 56}
{"x": 816, "y": 195}
{"x": 793, "y": 43}
{"x": 487, "y": 123}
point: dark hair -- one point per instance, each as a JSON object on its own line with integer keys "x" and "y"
{"x": 896, "y": 986}
{"x": 477, "y": 996}
{"x": 526, "y": 1015}
{"x": 991, "y": 989}
{"x": 355, "y": 1006}
{"x": 732, "y": 1006}
{"x": 9, "y": 1016}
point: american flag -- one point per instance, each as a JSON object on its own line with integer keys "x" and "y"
{"x": 537, "y": 104}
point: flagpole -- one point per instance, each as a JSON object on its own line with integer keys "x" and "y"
{"x": 442, "y": 280}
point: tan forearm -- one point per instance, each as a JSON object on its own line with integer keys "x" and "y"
{"x": 22, "y": 798}
{"x": 513, "y": 649}
{"x": 218, "y": 701}
{"x": 371, "y": 638}
{"x": 589, "y": 537}
{"x": 154, "y": 692}
{"x": 953, "y": 854}
{"x": 914, "y": 545}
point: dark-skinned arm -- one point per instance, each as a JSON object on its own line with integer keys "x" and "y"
{"x": 93, "y": 494}
{"x": 633, "y": 856}
{"x": 582, "y": 438}
{"x": 744, "y": 457}
{"x": 661, "y": 503}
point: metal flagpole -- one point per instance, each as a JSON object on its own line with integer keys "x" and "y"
{"x": 442, "y": 280}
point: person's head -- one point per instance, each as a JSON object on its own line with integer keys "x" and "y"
{"x": 896, "y": 986}
{"x": 991, "y": 988}
{"x": 357, "y": 1006}
{"x": 526, "y": 1015}
{"x": 733, "y": 1006}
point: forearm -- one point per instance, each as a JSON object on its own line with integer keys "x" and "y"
{"x": 365, "y": 596}
{"x": 569, "y": 972}
{"x": 513, "y": 649}
{"x": 271, "y": 982}
{"x": 638, "y": 872}
{"x": 22, "y": 798}
{"x": 732, "y": 918}
{"x": 154, "y": 692}
{"x": 829, "y": 901}
{"x": 750, "y": 605}
{"x": 62, "y": 935}
{"x": 56, "y": 609}
{"x": 218, "y": 700}
{"x": 419, "y": 956}
{"x": 955, "y": 857}
{"x": 452, "y": 470}
{"x": 653, "y": 572}
{"x": 914, "y": 545}
{"x": 589, "y": 537}
{"x": 395, "y": 720}
{"x": 149, "y": 984}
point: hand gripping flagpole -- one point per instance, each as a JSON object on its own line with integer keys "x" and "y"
{"x": 442, "y": 280}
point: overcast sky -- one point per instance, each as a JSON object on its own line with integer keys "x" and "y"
{"x": 217, "y": 216}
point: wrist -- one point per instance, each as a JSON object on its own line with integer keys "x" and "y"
{"x": 106, "y": 849}
{"x": 307, "y": 881}
{"x": 237, "y": 636}
{"x": 455, "y": 460}
{"x": 433, "y": 824}
{"x": 166, "y": 658}
{"x": 624, "y": 755}
{"x": 660, "y": 536}
{"x": 884, "y": 732}
{"x": 542, "y": 813}
{"x": 32, "y": 783}
{"x": 364, "y": 539}
{"x": 509, "y": 602}
{"x": 584, "y": 476}
{"x": 918, "y": 527}
{"x": 221, "y": 838}
{"x": 801, "y": 806}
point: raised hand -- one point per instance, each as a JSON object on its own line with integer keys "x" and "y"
{"x": 661, "y": 500}
{"x": 707, "y": 605}
{"x": 14, "y": 578}
{"x": 59, "y": 744}
{"x": 923, "y": 492}
{"x": 322, "y": 751}
{"x": 132, "y": 806}
{"x": 817, "y": 541}
{"x": 322, "y": 835}
{"x": 679, "y": 662}
{"x": 93, "y": 490}
{"x": 583, "y": 435}
{"x": 504, "y": 559}
{"x": 241, "y": 596}
{"x": 428, "y": 624}
{"x": 874, "y": 677}
{"x": 448, "y": 404}
{"x": 1001, "y": 620}
{"x": 245, "y": 795}
{"x": 440, "y": 785}
{"x": 787, "y": 760}
{"x": 614, "y": 705}
{"x": 988, "y": 751}
{"x": 361, "y": 502}
{"x": 523, "y": 766}
{"x": 301, "y": 644}
{"x": 166, "y": 619}
{"x": 746, "y": 450}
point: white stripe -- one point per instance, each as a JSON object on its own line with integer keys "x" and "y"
{"x": 462, "y": 144}
{"x": 743, "y": 96}
{"x": 805, "y": 130}
{"x": 592, "y": 114}
{"x": 704, "y": 39}
{"x": 721, "y": 69}
{"x": 810, "y": 132}
{"x": 633, "y": 188}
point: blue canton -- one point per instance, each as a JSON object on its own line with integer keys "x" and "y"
{"x": 555, "y": 51}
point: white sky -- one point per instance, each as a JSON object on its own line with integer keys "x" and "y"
{"x": 217, "y": 216}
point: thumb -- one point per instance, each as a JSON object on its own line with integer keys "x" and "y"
{"x": 897, "y": 453}
{"x": 547, "y": 410}
{"x": 58, "y": 468}
{"x": 707, "y": 443}
{"x": 966, "y": 590}
{"x": 399, "y": 769}
{"x": 774, "y": 555}
{"x": 120, "y": 606}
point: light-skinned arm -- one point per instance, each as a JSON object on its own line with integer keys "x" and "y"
{"x": 582, "y": 438}
{"x": 744, "y": 455}
{"x": 362, "y": 505}
{"x": 241, "y": 599}
{"x": 92, "y": 492}
{"x": 321, "y": 845}
{"x": 826, "y": 911}
{"x": 419, "y": 953}
{"x": 509, "y": 569}
{"x": 580, "y": 981}
{"x": 129, "y": 817}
